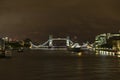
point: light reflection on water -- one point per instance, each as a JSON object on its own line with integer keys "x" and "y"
{"x": 108, "y": 53}
{"x": 40, "y": 65}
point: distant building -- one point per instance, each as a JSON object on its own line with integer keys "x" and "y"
{"x": 108, "y": 40}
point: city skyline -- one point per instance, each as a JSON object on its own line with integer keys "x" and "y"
{"x": 82, "y": 19}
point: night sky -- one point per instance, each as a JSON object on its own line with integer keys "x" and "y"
{"x": 79, "y": 19}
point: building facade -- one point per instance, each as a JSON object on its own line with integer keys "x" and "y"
{"x": 108, "y": 40}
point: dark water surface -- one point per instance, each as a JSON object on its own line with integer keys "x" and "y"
{"x": 49, "y": 65}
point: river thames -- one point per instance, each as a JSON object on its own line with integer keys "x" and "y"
{"x": 59, "y": 65}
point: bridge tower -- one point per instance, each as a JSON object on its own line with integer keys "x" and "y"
{"x": 68, "y": 41}
{"x": 50, "y": 41}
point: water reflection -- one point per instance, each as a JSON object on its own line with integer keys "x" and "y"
{"x": 107, "y": 53}
{"x": 79, "y": 54}
{"x": 56, "y": 65}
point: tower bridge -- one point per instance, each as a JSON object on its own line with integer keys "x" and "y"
{"x": 50, "y": 43}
